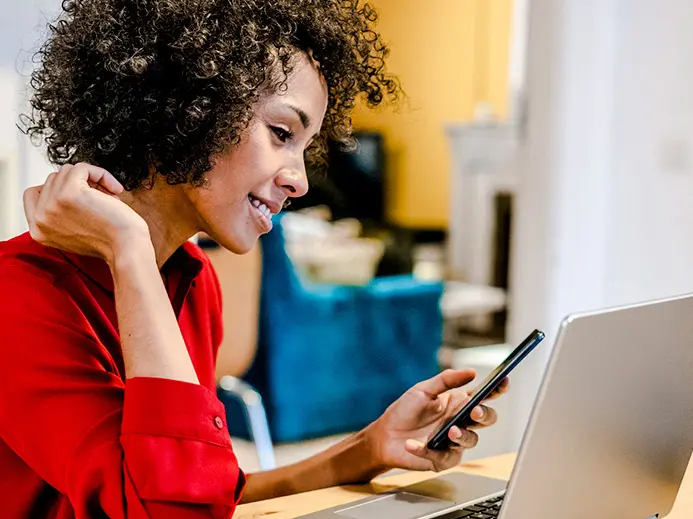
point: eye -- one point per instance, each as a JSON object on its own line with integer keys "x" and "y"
{"x": 282, "y": 134}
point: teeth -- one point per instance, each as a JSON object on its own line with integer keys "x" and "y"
{"x": 260, "y": 207}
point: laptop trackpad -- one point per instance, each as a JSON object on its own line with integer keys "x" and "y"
{"x": 401, "y": 505}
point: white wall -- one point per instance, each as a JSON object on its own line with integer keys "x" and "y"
{"x": 518, "y": 55}
{"x": 605, "y": 204}
{"x": 22, "y": 27}
{"x": 651, "y": 246}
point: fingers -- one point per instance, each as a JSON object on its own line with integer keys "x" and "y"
{"x": 47, "y": 192}
{"x": 94, "y": 174}
{"x": 445, "y": 381}
{"x": 483, "y": 416}
{"x": 463, "y": 438}
{"x": 35, "y": 198}
{"x": 48, "y": 185}
{"x": 439, "y": 460}
{"x": 460, "y": 396}
{"x": 501, "y": 389}
{"x": 99, "y": 187}
{"x": 31, "y": 199}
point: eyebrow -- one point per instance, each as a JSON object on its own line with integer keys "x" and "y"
{"x": 305, "y": 118}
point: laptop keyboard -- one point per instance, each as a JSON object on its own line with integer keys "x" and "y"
{"x": 488, "y": 509}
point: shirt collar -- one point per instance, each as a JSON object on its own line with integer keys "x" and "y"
{"x": 188, "y": 259}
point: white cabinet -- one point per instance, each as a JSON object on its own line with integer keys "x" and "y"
{"x": 482, "y": 157}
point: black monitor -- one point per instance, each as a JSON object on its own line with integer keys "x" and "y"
{"x": 353, "y": 185}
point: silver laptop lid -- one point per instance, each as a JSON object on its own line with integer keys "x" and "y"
{"x": 611, "y": 432}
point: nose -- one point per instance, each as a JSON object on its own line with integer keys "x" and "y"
{"x": 294, "y": 181}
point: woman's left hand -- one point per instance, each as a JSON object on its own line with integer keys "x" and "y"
{"x": 398, "y": 438}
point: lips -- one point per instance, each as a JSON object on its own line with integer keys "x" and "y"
{"x": 262, "y": 212}
{"x": 259, "y": 202}
{"x": 260, "y": 206}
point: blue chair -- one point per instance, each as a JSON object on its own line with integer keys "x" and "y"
{"x": 331, "y": 358}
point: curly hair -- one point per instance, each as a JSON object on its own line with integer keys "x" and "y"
{"x": 131, "y": 84}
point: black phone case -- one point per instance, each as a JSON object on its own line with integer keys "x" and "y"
{"x": 441, "y": 441}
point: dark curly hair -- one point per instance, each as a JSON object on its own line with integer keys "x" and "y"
{"x": 134, "y": 84}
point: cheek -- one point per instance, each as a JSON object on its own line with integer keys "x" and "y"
{"x": 254, "y": 164}
{"x": 224, "y": 200}
{"x": 230, "y": 182}
{"x": 217, "y": 202}
{"x": 247, "y": 168}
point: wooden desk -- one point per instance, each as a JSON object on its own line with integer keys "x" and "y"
{"x": 497, "y": 467}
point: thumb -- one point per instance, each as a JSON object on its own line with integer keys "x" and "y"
{"x": 427, "y": 459}
{"x": 31, "y": 198}
{"x": 420, "y": 460}
{"x": 415, "y": 447}
{"x": 445, "y": 381}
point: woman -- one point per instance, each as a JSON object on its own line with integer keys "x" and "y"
{"x": 198, "y": 115}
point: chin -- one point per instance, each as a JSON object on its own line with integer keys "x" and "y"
{"x": 238, "y": 243}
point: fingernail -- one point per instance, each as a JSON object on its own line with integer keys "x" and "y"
{"x": 479, "y": 412}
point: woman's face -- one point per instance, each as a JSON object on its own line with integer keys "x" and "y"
{"x": 252, "y": 181}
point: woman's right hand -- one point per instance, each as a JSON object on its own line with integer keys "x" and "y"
{"x": 77, "y": 209}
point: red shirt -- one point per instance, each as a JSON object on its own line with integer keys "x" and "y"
{"x": 76, "y": 439}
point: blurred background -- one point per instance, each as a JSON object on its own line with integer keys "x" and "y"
{"x": 539, "y": 166}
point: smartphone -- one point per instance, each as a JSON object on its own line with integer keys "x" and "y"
{"x": 441, "y": 441}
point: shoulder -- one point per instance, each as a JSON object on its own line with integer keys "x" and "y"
{"x": 39, "y": 303}
{"x": 30, "y": 265}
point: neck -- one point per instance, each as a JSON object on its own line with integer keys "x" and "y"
{"x": 167, "y": 212}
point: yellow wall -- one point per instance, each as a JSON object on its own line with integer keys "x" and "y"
{"x": 449, "y": 55}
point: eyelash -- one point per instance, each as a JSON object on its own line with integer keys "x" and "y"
{"x": 282, "y": 134}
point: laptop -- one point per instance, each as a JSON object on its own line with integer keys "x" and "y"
{"x": 610, "y": 435}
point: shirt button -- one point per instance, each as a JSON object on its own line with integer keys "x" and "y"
{"x": 218, "y": 422}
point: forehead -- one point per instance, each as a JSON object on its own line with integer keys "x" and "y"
{"x": 304, "y": 88}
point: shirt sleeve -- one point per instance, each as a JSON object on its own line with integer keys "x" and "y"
{"x": 142, "y": 449}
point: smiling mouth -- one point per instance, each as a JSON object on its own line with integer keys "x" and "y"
{"x": 261, "y": 207}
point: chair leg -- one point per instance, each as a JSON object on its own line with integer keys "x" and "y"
{"x": 255, "y": 414}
